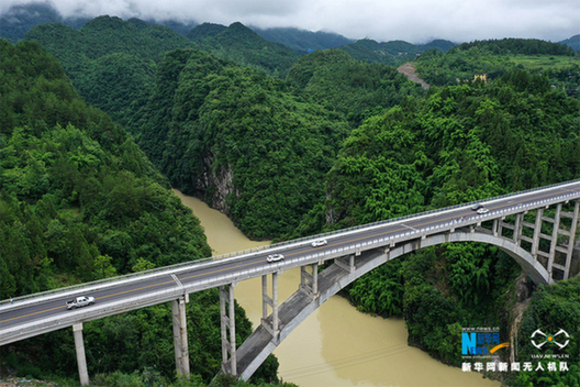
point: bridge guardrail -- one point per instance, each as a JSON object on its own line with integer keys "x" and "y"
{"x": 201, "y": 284}
{"x": 164, "y": 270}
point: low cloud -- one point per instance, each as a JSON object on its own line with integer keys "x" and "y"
{"x": 415, "y": 21}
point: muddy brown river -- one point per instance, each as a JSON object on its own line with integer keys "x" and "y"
{"x": 336, "y": 346}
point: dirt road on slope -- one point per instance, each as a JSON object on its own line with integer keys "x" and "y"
{"x": 409, "y": 70}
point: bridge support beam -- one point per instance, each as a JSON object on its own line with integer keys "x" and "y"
{"x": 272, "y": 325}
{"x": 228, "y": 323}
{"x": 350, "y": 267}
{"x": 180, "y": 336}
{"x": 81, "y": 357}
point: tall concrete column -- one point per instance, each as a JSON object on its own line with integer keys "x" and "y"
{"x": 275, "y": 302}
{"x": 265, "y": 299}
{"x": 518, "y": 229}
{"x": 309, "y": 282}
{"x": 81, "y": 357}
{"x": 571, "y": 241}
{"x": 315, "y": 278}
{"x": 495, "y": 227}
{"x": 180, "y": 336}
{"x": 537, "y": 232}
{"x": 273, "y": 325}
{"x": 228, "y": 323}
{"x": 554, "y": 239}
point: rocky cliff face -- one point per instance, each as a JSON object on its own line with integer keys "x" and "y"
{"x": 216, "y": 184}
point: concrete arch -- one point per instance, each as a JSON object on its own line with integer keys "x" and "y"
{"x": 300, "y": 305}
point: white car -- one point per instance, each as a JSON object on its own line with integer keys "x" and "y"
{"x": 79, "y": 302}
{"x": 274, "y": 258}
{"x": 319, "y": 242}
{"x": 482, "y": 211}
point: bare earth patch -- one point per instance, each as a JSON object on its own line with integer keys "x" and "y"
{"x": 409, "y": 70}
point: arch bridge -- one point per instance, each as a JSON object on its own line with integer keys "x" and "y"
{"x": 538, "y": 228}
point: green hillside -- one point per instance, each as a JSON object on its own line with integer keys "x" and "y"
{"x": 205, "y": 31}
{"x": 111, "y": 62}
{"x": 391, "y": 53}
{"x": 240, "y": 44}
{"x": 238, "y": 139}
{"x": 343, "y": 84}
{"x": 303, "y": 41}
{"x": 286, "y": 146}
{"x": 79, "y": 202}
{"x": 458, "y": 144}
{"x": 495, "y": 57}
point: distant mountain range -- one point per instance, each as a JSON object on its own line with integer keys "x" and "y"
{"x": 19, "y": 19}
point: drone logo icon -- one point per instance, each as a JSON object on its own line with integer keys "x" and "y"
{"x": 549, "y": 338}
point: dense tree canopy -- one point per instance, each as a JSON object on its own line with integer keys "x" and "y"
{"x": 493, "y": 58}
{"x": 460, "y": 143}
{"x": 79, "y": 201}
{"x": 239, "y": 139}
{"x": 76, "y": 191}
{"x": 338, "y": 143}
{"x": 355, "y": 89}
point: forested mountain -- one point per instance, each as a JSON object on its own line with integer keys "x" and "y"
{"x": 20, "y": 19}
{"x": 240, "y": 44}
{"x": 495, "y": 57}
{"x": 573, "y": 42}
{"x": 78, "y": 202}
{"x": 356, "y": 89}
{"x": 391, "y": 53}
{"x": 205, "y": 31}
{"x": 239, "y": 139}
{"x": 303, "y": 41}
{"x": 338, "y": 142}
{"x": 459, "y": 144}
{"x": 513, "y": 46}
{"x": 111, "y": 62}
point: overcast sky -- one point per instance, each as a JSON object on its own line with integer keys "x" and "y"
{"x": 415, "y": 21}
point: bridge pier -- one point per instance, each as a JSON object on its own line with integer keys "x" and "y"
{"x": 495, "y": 227}
{"x": 273, "y": 326}
{"x": 180, "y": 335}
{"x": 228, "y": 323}
{"x": 558, "y": 259}
{"x": 518, "y": 229}
{"x": 81, "y": 357}
{"x": 308, "y": 281}
{"x": 571, "y": 234}
{"x": 537, "y": 232}
{"x": 554, "y": 238}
